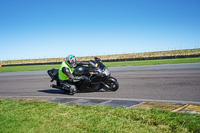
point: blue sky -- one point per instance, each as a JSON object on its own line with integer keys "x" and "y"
{"x": 32, "y": 29}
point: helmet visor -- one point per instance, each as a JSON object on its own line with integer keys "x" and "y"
{"x": 72, "y": 61}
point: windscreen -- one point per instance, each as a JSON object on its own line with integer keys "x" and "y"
{"x": 101, "y": 65}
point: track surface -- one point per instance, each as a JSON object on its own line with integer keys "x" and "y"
{"x": 177, "y": 82}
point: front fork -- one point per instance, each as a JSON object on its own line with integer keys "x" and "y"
{"x": 105, "y": 85}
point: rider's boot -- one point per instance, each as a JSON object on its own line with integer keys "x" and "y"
{"x": 72, "y": 90}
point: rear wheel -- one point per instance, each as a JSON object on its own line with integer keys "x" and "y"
{"x": 110, "y": 85}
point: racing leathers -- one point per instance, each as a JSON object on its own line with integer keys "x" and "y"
{"x": 67, "y": 78}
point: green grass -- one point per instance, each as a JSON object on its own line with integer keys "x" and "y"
{"x": 17, "y": 116}
{"x": 27, "y": 68}
{"x": 160, "y": 54}
{"x": 108, "y": 64}
{"x": 153, "y": 62}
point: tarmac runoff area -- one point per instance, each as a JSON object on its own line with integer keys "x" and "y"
{"x": 171, "y": 106}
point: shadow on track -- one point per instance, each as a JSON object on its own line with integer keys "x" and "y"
{"x": 57, "y": 91}
{"x": 53, "y": 91}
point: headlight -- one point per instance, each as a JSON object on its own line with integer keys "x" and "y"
{"x": 106, "y": 71}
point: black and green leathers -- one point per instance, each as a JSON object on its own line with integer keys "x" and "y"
{"x": 65, "y": 72}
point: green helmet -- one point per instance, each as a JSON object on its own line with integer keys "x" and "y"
{"x": 71, "y": 61}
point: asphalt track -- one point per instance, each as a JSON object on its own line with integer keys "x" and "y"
{"x": 168, "y": 83}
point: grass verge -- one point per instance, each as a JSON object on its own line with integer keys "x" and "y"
{"x": 18, "y": 116}
{"x": 153, "y": 62}
{"x": 108, "y": 64}
{"x": 27, "y": 68}
{"x": 161, "y": 54}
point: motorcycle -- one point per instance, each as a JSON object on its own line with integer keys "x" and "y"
{"x": 98, "y": 77}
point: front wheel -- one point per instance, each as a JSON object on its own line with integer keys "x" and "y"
{"x": 110, "y": 85}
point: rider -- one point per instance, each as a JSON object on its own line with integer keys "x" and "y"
{"x": 66, "y": 76}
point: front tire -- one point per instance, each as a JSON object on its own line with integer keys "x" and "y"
{"x": 110, "y": 85}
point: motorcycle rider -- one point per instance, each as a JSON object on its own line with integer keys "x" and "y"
{"x": 66, "y": 76}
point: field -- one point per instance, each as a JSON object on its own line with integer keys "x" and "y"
{"x": 108, "y": 64}
{"x": 18, "y": 116}
{"x": 160, "y": 54}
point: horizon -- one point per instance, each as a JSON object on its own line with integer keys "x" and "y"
{"x": 38, "y": 29}
{"x": 103, "y": 55}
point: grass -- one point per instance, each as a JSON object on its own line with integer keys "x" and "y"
{"x": 111, "y": 57}
{"x": 153, "y": 62}
{"x": 108, "y": 64}
{"x": 18, "y": 116}
{"x": 27, "y": 68}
